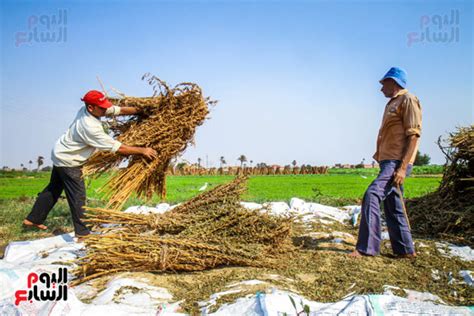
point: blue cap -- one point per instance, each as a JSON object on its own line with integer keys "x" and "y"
{"x": 397, "y": 74}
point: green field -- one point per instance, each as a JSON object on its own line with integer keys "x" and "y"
{"x": 334, "y": 187}
{"x": 18, "y": 191}
{"x": 417, "y": 170}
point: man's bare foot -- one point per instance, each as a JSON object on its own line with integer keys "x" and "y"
{"x": 81, "y": 238}
{"x": 28, "y": 224}
{"x": 356, "y": 254}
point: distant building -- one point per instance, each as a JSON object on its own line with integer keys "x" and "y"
{"x": 349, "y": 166}
{"x": 372, "y": 165}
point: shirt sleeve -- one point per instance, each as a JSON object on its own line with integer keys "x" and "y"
{"x": 113, "y": 110}
{"x": 411, "y": 116}
{"x": 98, "y": 138}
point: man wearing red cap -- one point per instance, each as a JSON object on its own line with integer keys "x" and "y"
{"x": 84, "y": 136}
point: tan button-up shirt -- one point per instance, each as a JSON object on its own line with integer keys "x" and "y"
{"x": 401, "y": 118}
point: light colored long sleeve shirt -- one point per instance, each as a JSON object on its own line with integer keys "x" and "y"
{"x": 84, "y": 136}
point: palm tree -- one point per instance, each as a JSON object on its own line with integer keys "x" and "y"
{"x": 40, "y": 162}
{"x": 293, "y": 163}
{"x": 251, "y": 162}
{"x": 30, "y": 162}
{"x": 242, "y": 159}
{"x": 222, "y": 161}
{"x": 199, "y": 162}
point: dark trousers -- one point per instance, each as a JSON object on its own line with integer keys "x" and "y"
{"x": 70, "y": 180}
{"x": 381, "y": 189}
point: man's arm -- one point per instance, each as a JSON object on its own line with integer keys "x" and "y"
{"x": 95, "y": 136}
{"x": 376, "y": 155}
{"x": 124, "y": 110}
{"x": 411, "y": 117}
{"x": 149, "y": 153}
{"x": 399, "y": 175}
{"x": 128, "y": 110}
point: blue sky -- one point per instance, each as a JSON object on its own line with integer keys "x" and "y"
{"x": 294, "y": 80}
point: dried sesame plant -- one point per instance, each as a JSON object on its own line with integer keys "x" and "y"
{"x": 449, "y": 211}
{"x": 167, "y": 123}
{"x": 208, "y": 231}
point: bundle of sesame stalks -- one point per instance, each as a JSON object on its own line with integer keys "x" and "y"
{"x": 167, "y": 124}
{"x": 208, "y": 231}
{"x": 449, "y": 211}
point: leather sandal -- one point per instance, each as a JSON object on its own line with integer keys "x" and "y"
{"x": 29, "y": 224}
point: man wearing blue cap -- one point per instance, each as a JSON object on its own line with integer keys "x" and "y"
{"x": 397, "y": 144}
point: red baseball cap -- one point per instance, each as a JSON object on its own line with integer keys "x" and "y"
{"x": 95, "y": 97}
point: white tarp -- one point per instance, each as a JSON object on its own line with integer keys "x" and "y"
{"x": 309, "y": 211}
{"x": 277, "y": 208}
{"x": 465, "y": 253}
{"x": 133, "y": 296}
{"x": 47, "y": 255}
{"x": 127, "y": 296}
{"x": 321, "y": 211}
{"x": 142, "y": 209}
{"x": 467, "y": 277}
{"x": 251, "y": 206}
{"x": 278, "y": 302}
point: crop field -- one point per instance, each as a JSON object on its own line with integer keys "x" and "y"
{"x": 339, "y": 187}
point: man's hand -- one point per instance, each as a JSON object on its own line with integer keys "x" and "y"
{"x": 138, "y": 111}
{"x": 399, "y": 176}
{"x": 149, "y": 153}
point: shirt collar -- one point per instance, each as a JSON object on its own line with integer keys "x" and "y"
{"x": 90, "y": 115}
{"x": 399, "y": 93}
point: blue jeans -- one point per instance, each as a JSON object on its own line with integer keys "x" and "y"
{"x": 381, "y": 189}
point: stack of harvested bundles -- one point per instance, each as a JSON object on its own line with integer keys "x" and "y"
{"x": 459, "y": 173}
{"x": 168, "y": 122}
{"x": 449, "y": 211}
{"x": 208, "y": 231}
